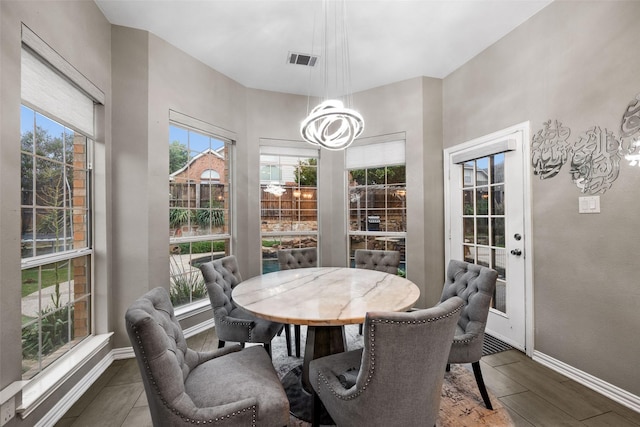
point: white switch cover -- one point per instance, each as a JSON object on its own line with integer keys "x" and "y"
{"x": 7, "y": 411}
{"x": 589, "y": 204}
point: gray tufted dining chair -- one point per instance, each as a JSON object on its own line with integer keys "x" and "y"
{"x": 232, "y": 322}
{"x": 288, "y": 260}
{"x": 229, "y": 386}
{"x": 387, "y": 261}
{"x": 475, "y": 285}
{"x": 396, "y": 379}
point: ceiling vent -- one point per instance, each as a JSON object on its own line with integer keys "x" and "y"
{"x": 302, "y": 59}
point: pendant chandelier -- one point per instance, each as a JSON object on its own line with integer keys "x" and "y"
{"x": 333, "y": 124}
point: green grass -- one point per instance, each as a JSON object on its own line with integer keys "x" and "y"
{"x": 30, "y": 278}
{"x": 270, "y": 243}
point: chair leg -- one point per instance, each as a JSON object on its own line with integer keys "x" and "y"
{"x": 287, "y": 336}
{"x": 483, "y": 390}
{"x": 315, "y": 410}
{"x": 448, "y": 368}
{"x": 296, "y": 333}
{"x": 220, "y": 343}
{"x": 267, "y": 346}
{"x": 360, "y": 329}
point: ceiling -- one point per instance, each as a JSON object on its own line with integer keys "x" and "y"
{"x": 389, "y": 40}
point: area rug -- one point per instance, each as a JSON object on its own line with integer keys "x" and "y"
{"x": 461, "y": 404}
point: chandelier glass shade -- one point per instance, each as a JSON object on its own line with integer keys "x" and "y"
{"x": 333, "y": 124}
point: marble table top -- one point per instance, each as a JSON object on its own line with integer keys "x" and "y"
{"x": 324, "y": 296}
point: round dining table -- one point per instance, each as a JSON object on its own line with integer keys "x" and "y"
{"x": 324, "y": 299}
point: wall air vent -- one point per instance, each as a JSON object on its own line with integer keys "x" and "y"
{"x": 302, "y": 59}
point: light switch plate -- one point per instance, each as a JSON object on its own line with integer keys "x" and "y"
{"x": 7, "y": 411}
{"x": 589, "y": 204}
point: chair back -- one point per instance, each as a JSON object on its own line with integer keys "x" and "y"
{"x": 220, "y": 277}
{"x": 475, "y": 285}
{"x": 161, "y": 352}
{"x": 387, "y": 261}
{"x": 297, "y": 258}
{"x": 403, "y": 364}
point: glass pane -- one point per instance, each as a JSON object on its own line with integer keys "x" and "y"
{"x": 500, "y": 296}
{"x": 396, "y": 174}
{"x": 356, "y": 222}
{"x": 497, "y": 200}
{"x": 81, "y": 319}
{"x": 186, "y": 282}
{"x": 469, "y": 253}
{"x": 49, "y": 138}
{"x": 357, "y": 177}
{"x": 376, "y": 197}
{"x": 396, "y": 220}
{"x": 50, "y": 183}
{"x": 484, "y": 256}
{"x": 50, "y": 231}
{"x": 482, "y": 201}
{"x": 307, "y": 172}
{"x": 376, "y": 176}
{"x": 74, "y": 148}
{"x": 500, "y": 262}
{"x": 467, "y": 202}
{"x": 467, "y": 171}
{"x": 482, "y": 231}
{"x": 375, "y": 220}
{"x": 356, "y": 242}
{"x": 28, "y": 238}
{"x": 468, "y": 230}
{"x": 482, "y": 171}
{"x": 497, "y": 168}
{"x": 26, "y": 173}
{"x": 497, "y": 232}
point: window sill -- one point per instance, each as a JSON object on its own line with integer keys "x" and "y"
{"x": 195, "y": 308}
{"x": 37, "y": 390}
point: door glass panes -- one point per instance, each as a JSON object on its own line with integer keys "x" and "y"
{"x": 288, "y": 205}
{"x": 483, "y": 221}
{"x": 199, "y": 208}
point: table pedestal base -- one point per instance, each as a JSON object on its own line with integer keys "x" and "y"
{"x": 301, "y": 401}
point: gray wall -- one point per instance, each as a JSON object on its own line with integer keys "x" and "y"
{"x": 576, "y": 62}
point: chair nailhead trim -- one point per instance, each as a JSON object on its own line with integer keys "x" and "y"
{"x": 252, "y": 408}
{"x": 372, "y": 351}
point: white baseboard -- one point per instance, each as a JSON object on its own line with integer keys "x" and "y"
{"x": 59, "y": 409}
{"x": 611, "y": 391}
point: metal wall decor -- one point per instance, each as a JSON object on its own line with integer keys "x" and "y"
{"x": 594, "y": 158}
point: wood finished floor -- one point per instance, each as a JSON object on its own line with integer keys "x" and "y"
{"x": 533, "y": 394}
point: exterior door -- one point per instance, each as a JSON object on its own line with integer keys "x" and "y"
{"x": 488, "y": 222}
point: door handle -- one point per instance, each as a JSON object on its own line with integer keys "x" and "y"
{"x": 516, "y": 252}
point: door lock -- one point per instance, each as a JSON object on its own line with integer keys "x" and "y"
{"x": 516, "y": 252}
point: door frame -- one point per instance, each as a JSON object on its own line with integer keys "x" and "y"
{"x": 525, "y": 128}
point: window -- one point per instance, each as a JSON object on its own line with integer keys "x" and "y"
{"x": 56, "y": 239}
{"x": 288, "y": 201}
{"x": 377, "y": 191}
{"x": 199, "y": 208}
{"x": 56, "y": 145}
